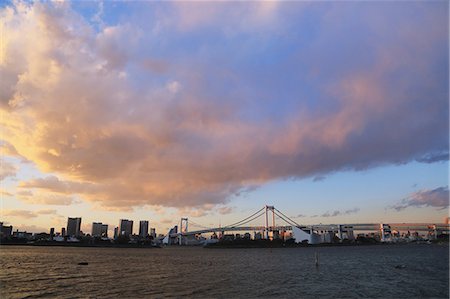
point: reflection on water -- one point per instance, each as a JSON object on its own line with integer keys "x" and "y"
{"x": 368, "y": 271}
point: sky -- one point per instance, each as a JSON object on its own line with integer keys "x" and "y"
{"x": 333, "y": 112}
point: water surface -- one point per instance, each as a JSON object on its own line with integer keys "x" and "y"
{"x": 351, "y": 272}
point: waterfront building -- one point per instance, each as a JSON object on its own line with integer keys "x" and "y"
{"x": 126, "y": 227}
{"x": 105, "y": 230}
{"x": 153, "y": 232}
{"x": 143, "y": 229}
{"x": 5, "y": 230}
{"x": 52, "y": 232}
{"x": 22, "y": 235}
{"x": 116, "y": 232}
{"x": 99, "y": 229}
{"x": 63, "y": 231}
{"x": 73, "y": 226}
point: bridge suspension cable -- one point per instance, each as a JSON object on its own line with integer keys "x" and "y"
{"x": 196, "y": 224}
{"x": 242, "y": 221}
{"x": 251, "y": 219}
{"x": 289, "y": 220}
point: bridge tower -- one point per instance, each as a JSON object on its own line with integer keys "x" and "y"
{"x": 183, "y": 229}
{"x": 269, "y": 208}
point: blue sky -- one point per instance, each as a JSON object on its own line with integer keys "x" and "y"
{"x": 150, "y": 110}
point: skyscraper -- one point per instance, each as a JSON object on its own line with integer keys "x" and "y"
{"x": 143, "y": 228}
{"x": 126, "y": 227}
{"x": 73, "y": 226}
{"x": 105, "y": 230}
{"x": 153, "y": 232}
{"x": 99, "y": 229}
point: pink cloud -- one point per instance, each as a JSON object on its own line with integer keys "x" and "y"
{"x": 75, "y": 106}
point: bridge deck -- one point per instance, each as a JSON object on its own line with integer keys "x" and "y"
{"x": 327, "y": 227}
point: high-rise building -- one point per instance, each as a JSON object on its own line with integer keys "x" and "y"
{"x": 143, "y": 228}
{"x": 5, "y": 230}
{"x": 99, "y": 229}
{"x": 105, "y": 230}
{"x": 52, "y": 232}
{"x": 126, "y": 227}
{"x": 73, "y": 226}
{"x": 153, "y": 232}
{"x": 63, "y": 231}
{"x": 116, "y": 232}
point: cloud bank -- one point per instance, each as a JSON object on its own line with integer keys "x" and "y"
{"x": 176, "y": 107}
{"x": 438, "y": 198}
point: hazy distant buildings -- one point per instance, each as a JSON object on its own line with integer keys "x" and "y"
{"x": 63, "y": 231}
{"x": 116, "y": 232}
{"x": 153, "y": 232}
{"x": 143, "y": 228}
{"x": 99, "y": 229}
{"x": 73, "y": 226}
{"x": 126, "y": 227}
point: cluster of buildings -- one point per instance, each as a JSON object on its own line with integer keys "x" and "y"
{"x": 73, "y": 233}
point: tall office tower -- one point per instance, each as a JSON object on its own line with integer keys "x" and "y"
{"x": 143, "y": 228}
{"x": 153, "y": 232}
{"x": 126, "y": 227}
{"x": 105, "y": 230}
{"x": 116, "y": 232}
{"x": 97, "y": 229}
{"x": 52, "y": 232}
{"x": 63, "y": 231}
{"x": 73, "y": 226}
{"x": 5, "y": 230}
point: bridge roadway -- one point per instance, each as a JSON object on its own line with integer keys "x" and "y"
{"x": 326, "y": 227}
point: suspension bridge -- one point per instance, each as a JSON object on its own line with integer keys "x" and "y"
{"x": 269, "y": 220}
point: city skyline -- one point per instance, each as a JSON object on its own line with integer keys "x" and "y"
{"x": 157, "y": 111}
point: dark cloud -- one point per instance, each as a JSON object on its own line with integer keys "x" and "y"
{"x": 319, "y": 178}
{"x": 434, "y": 157}
{"x": 340, "y": 213}
{"x": 438, "y": 198}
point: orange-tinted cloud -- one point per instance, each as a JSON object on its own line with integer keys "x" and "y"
{"x": 197, "y": 129}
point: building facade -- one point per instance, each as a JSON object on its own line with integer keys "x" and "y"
{"x": 126, "y": 227}
{"x": 143, "y": 228}
{"x": 99, "y": 229}
{"x": 73, "y": 227}
{"x": 5, "y": 230}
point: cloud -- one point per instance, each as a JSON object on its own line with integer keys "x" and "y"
{"x": 225, "y": 210}
{"x": 319, "y": 178}
{"x": 45, "y": 198}
{"x": 168, "y": 221}
{"x": 46, "y": 212}
{"x": 339, "y": 213}
{"x": 196, "y": 109}
{"x": 19, "y": 213}
{"x": 434, "y": 157}
{"x": 5, "y": 193}
{"x": 7, "y": 169}
{"x": 438, "y": 197}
